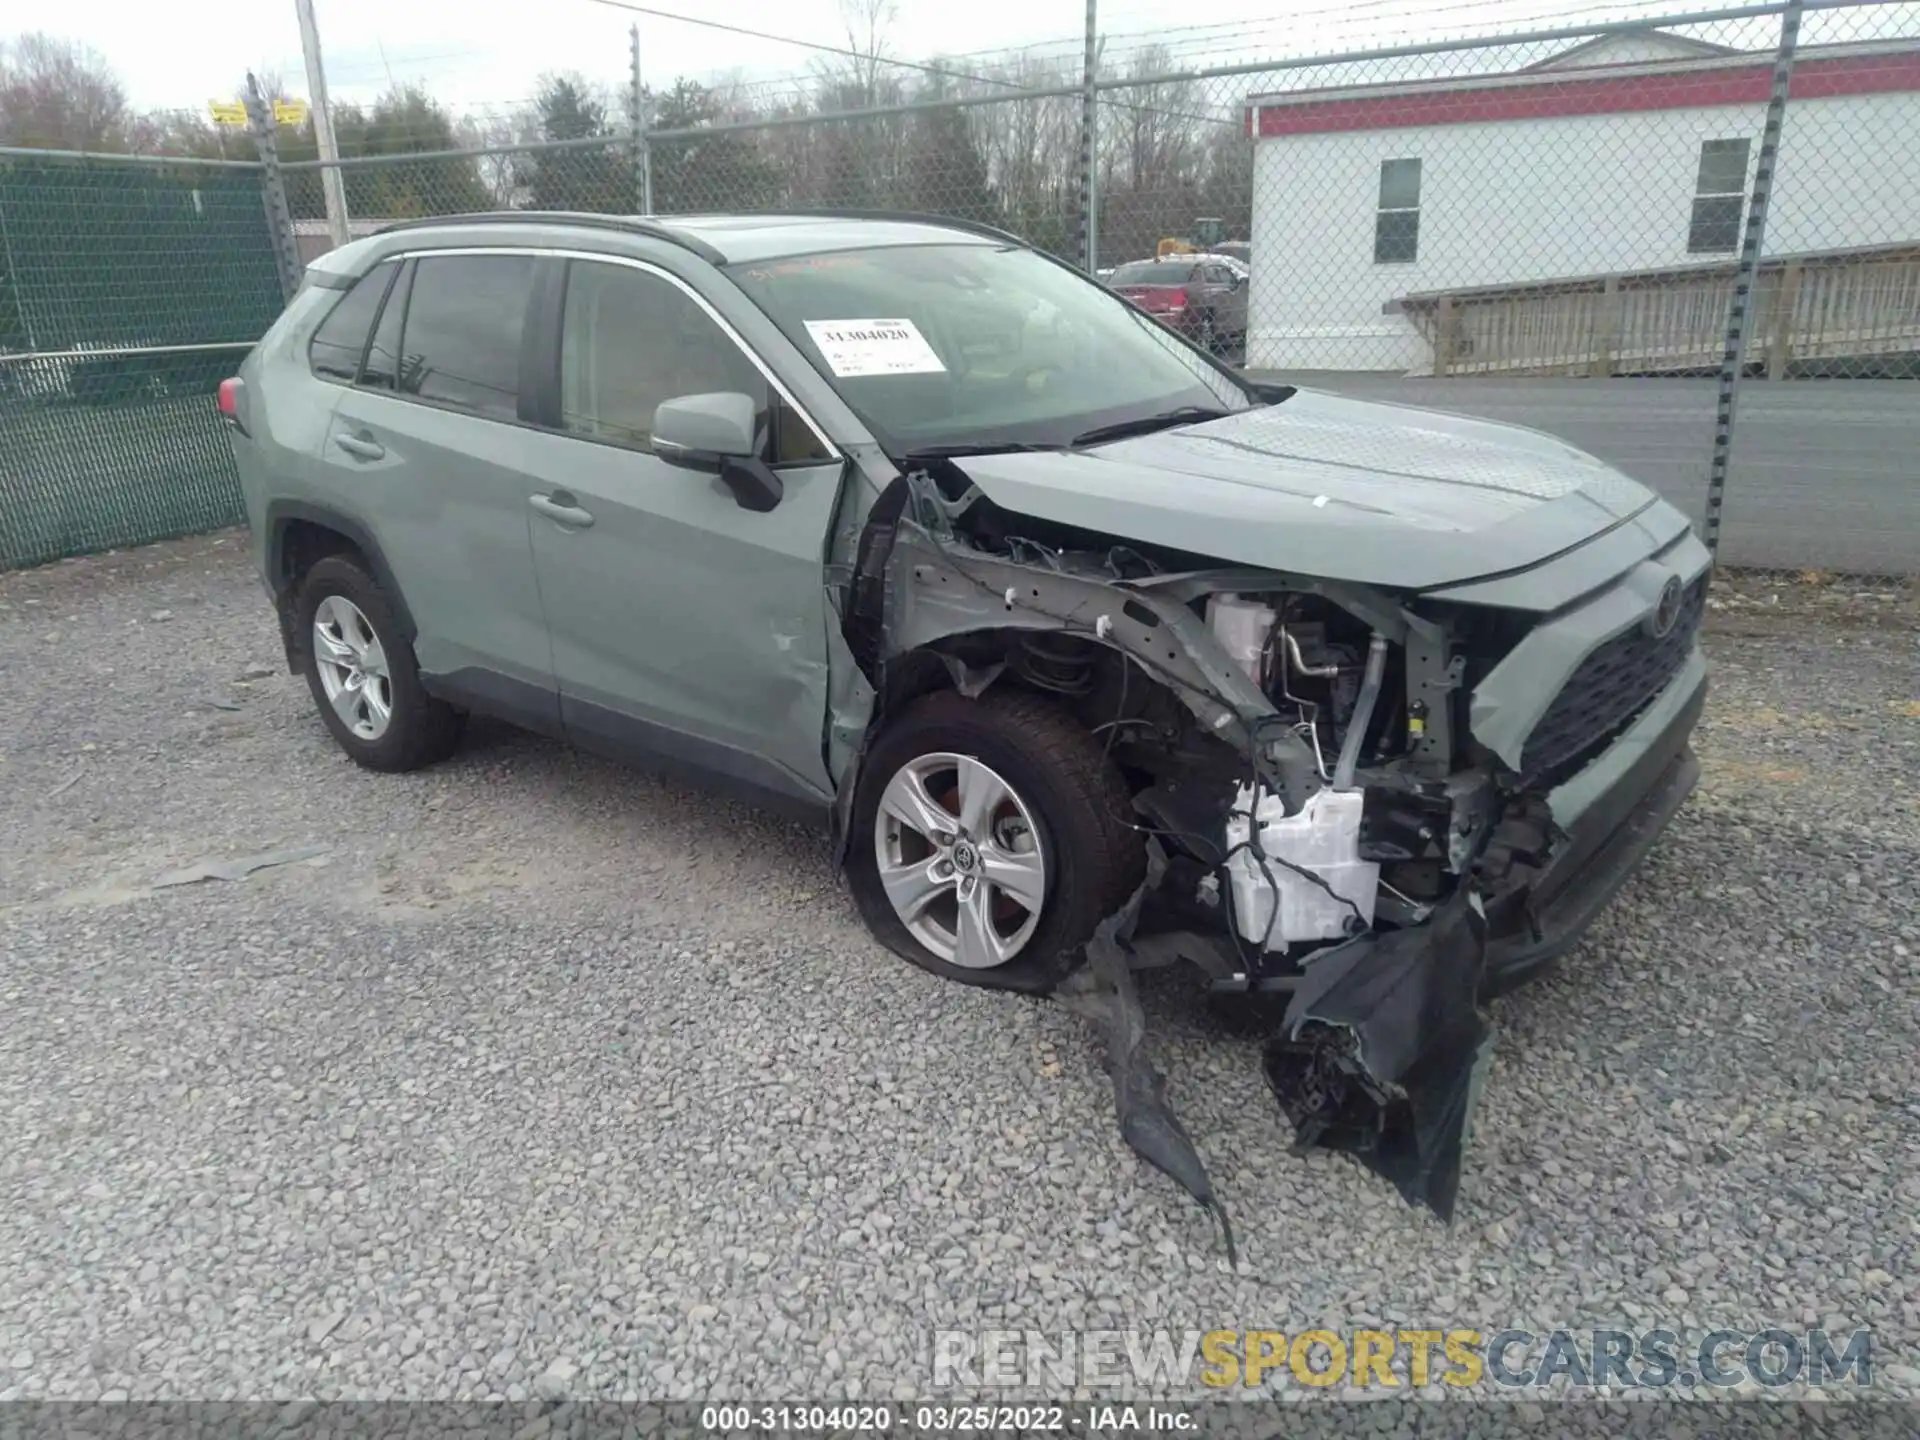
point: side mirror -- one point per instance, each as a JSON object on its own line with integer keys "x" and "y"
{"x": 715, "y": 433}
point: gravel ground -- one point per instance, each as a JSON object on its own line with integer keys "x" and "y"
{"x": 538, "y": 1077}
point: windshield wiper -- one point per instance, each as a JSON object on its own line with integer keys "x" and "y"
{"x": 1147, "y": 424}
{"x": 978, "y": 447}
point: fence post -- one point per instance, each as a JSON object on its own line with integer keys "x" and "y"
{"x": 637, "y": 121}
{"x": 273, "y": 191}
{"x": 1090, "y": 148}
{"x": 1740, "y": 313}
{"x": 1609, "y": 328}
{"x": 1786, "y": 304}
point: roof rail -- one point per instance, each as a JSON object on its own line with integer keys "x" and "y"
{"x": 586, "y": 219}
{"x": 910, "y": 217}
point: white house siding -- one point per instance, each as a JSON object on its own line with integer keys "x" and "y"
{"x": 1848, "y": 174}
{"x": 1538, "y": 198}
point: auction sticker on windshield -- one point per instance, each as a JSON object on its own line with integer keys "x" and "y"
{"x": 874, "y": 347}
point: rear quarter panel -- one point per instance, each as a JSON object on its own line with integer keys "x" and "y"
{"x": 288, "y": 412}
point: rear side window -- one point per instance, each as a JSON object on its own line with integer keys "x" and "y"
{"x": 461, "y": 344}
{"x": 384, "y": 366}
{"x": 342, "y": 336}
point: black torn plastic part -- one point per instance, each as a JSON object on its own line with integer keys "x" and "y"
{"x": 1382, "y": 1048}
{"x": 1102, "y": 991}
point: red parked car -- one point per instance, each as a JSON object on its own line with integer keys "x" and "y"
{"x": 1205, "y": 299}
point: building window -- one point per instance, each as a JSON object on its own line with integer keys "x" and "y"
{"x": 1396, "y": 226}
{"x": 1719, "y": 198}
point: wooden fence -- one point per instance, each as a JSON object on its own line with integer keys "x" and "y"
{"x": 1852, "y": 309}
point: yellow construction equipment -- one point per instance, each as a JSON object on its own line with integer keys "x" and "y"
{"x": 1208, "y": 231}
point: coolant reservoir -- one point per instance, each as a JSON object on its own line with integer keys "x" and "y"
{"x": 1242, "y": 627}
{"x": 1324, "y": 838}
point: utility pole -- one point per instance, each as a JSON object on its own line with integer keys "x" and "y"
{"x": 1090, "y": 148}
{"x": 333, "y": 185}
{"x": 638, "y": 121}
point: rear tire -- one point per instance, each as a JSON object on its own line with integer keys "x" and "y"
{"x": 1088, "y": 858}
{"x": 362, "y": 672}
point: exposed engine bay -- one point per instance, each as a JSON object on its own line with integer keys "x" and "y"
{"x": 1323, "y": 826}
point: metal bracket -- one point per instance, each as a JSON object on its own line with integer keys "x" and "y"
{"x": 1432, "y": 677}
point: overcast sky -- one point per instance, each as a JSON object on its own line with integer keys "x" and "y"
{"x": 472, "y": 55}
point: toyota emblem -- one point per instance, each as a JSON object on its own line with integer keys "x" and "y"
{"x": 1666, "y": 614}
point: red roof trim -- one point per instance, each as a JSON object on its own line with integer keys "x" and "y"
{"x": 1601, "y": 95}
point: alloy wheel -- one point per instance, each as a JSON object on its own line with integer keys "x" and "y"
{"x": 352, "y": 665}
{"x": 961, "y": 859}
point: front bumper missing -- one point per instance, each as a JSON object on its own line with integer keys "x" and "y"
{"x": 1380, "y": 1051}
{"x": 1385, "y": 1046}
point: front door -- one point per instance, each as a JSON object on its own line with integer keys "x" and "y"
{"x": 684, "y": 627}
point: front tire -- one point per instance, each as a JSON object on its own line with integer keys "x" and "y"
{"x": 363, "y": 675}
{"x": 989, "y": 837}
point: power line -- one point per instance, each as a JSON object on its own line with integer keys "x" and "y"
{"x": 843, "y": 51}
{"x": 925, "y": 69}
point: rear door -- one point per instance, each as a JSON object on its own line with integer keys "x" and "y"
{"x": 685, "y": 628}
{"x": 429, "y": 443}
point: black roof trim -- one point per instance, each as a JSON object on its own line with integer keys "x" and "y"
{"x": 585, "y": 219}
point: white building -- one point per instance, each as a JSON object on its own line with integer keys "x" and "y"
{"x": 1630, "y": 153}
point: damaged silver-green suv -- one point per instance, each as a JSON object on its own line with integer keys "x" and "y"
{"x": 1093, "y": 653}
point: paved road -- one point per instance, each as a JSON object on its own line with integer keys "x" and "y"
{"x": 1825, "y": 474}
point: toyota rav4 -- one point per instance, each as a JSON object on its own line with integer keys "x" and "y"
{"x": 1092, "y": 653}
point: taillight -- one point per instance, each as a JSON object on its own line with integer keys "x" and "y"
{"x": 233, "y": 395}
{"x": 1177, "y": 301}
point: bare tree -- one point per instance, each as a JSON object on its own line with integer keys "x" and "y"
{"x": 501, "y": 173}
{"x": 60, "y": 95}
{"x": 867, "y": 23}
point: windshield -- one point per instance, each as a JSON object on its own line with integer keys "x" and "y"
{"x": 1154, "y": 272}
{"x": 978, "y": 345}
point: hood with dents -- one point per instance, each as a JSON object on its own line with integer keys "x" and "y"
{"x": 1338, "y": 488}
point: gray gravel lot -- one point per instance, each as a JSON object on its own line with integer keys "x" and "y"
{"x": 543, "y": 1077}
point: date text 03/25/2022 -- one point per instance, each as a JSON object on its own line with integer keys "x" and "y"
{"x": 947, "y": 1419}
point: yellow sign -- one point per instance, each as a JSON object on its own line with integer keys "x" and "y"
{"x": 234, "y": 112}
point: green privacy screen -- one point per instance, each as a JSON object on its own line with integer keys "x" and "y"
{"x": 109, "y": 272}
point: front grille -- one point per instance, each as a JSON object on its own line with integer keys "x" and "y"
{"x": 1607, "y": 693}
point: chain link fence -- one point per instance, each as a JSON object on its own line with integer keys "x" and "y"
{"x": 127, "y": 291}
{"x": 1466, "y": 224}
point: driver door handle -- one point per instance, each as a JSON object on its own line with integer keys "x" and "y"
{"x": 361, "y": 448}
{"x": 560, "y": 508}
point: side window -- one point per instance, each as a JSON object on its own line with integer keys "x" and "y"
{"x": 334, "y": 353}
{"x": 382, "y": 370}
{"x": 1219, "y": 275}
{"x": 630, "y": 340}
{"x": 461, "y": 344}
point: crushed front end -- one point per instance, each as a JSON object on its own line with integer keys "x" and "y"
{"x": 1374, "y": 808}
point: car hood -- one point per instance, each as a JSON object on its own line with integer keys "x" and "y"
{"x": 1332, "y": 487}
